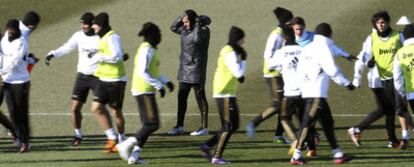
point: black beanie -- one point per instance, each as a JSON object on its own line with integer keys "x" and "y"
{"x": 192, "y": 15}
{"x": 31, "y": 18}
{"x": 324, "y": 29}
{"x": 102, "y": 20}
{"x": 283, "y": 15}
{"x": 408, "y": 31}
{"x": 235, "y": 35}
{"x": 87, "y": 18}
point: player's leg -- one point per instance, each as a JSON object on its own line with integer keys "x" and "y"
{"x": 200, "y": 94}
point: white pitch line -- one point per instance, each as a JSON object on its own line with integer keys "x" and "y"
{"x": 173, "y": 115}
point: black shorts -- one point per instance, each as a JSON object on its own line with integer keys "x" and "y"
{"x": 83, "y": 84}
{"x": 111, "y": 93}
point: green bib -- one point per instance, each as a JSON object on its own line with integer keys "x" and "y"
{"x": 383, "y": 52}
{"x": 406, "y": 58}
{"x": 266, "y": 71}
{"x": 108, "y": 70}
{"x": 138, "y": 83}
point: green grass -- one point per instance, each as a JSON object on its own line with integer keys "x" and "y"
{"x": 52, "y": 86}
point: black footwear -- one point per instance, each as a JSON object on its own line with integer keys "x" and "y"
{"x": 24, "y": 147}
{"x": 76, "y": 141}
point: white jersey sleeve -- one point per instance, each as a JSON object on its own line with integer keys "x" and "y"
{"x": 237, "y": 68}
{"x": 145, "y": 57}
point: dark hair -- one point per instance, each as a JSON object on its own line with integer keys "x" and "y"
{"x": 324, "y": 29}
{"x": 408, "y": 31}
{"x": 289, "y": 35}
{"x": 151, "y": 33}
{"x": 102, "y": 20}
{"x": 298, "y": 20}
{"x": 192, "y": 15}
{"x": 235, "y": 35}
{"x": 380, "y": 15}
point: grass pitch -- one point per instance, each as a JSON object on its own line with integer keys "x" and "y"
{"x": 51, "y": 86}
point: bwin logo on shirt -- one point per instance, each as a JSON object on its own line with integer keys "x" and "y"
{"x": 387, "y": 51}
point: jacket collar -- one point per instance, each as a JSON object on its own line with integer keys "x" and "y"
{"x": 321, "y": 38}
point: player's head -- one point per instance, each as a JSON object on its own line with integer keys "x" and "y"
{"x": 298, "y": 25}
{"x": 381, "y": 21}
{"x": 236, "y": 36}
{"x": 151, "y": 33}
{"x": 408, "y": 31}
{"x": 324, "y": 29}
{"x": 189, "y": 18}
{"x": 101, "y": 22}
{"x": 289, "y": 36}
{"x": 86, "y": 23}
{"x": 283, "y": 15}
{"x": 13, "y": 30}
{"x": 31, "y": 20}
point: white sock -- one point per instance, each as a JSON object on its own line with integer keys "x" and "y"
{"x": 405, "y": 135}
{"x": 337, "y": 153}
{"x": 137, "y": 148}
{"x": 78, "y": 133}
{"x": 297, "y": 154}
{"x": 110, "y": 134}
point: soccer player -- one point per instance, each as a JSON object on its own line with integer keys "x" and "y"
{"x": 273, "y": 78}
{"x": 315, "y": 66}
{"x": 230, "y": 69}
{"x": 285, "y": 60}
{"x": 86, "y": 41}
{"x": 112, "y": 80}
{"x": 378, "y": 52}
{"x": 195, "y": 38}
{"x": 403, "y": 71}
{"x": 16, "y": 81}
{"x": 146, "y": 81}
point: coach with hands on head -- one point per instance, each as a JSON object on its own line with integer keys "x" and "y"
{"x": 195, "y": 37}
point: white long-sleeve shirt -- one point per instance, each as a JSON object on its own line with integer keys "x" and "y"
{"x": 144, "y": 60}
{"x": 374, "y": 80}
{"x": 285, "y": 60}
{"x": 398, "y": 74}
{"x": 13, "y": 66}
{"x": 274, "y": 42}
{"x": 115, "y": 45}
{"x": 85, "y": 45}
{"x": 316, "y": 65}
{"x": 24, "y": 30}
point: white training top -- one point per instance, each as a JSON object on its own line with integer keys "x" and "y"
{"x": 398, "y": 75}
{"x": 85, "y": 45}
{"x": 144, "y": 60}
{"x": 273, "y": 43}
{"x": 286, "y": 60}
{"x": 13, "y": 66}
{"x": 24, "y": 30}
{"x": 316, "y": 65}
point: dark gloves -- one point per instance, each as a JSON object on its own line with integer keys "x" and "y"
{"x": 203, "y": 20}
{"x": 48, "y": 58}
{"x": 350, "y": 86}
{"x": 31, "y": 55}
{"x": 170, "y": 86}
{"x": 125, "y": 56}
{"x": 162, "y": 92}
{"x": 91, "y": 54}
{"x": 241, "y": 79}
{"x": 351, "y": 58}
{"x": 371, "y": 62}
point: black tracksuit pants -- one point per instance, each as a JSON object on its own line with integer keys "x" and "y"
{"x": 200, "y": 94}
{"x": 229, "y": 116}
{"x": 17, "y": 99}
{"x": 148, "y": 112}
